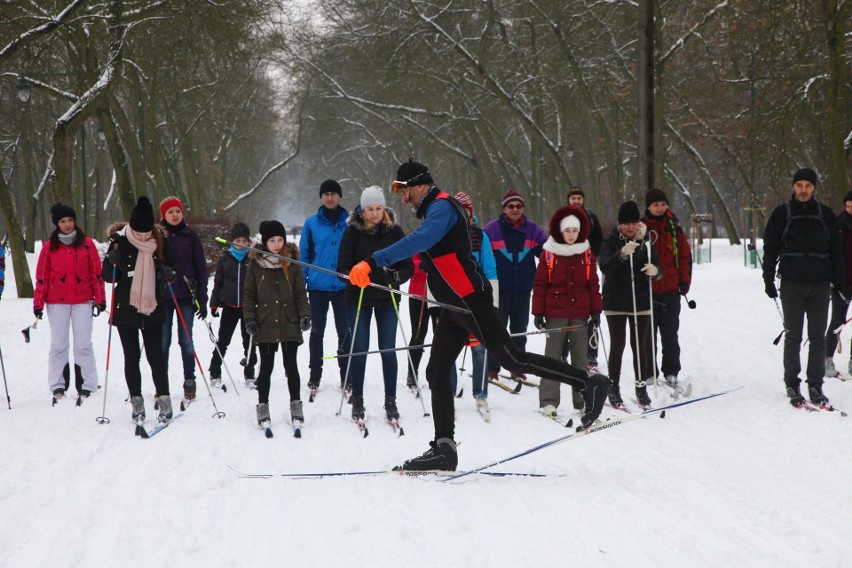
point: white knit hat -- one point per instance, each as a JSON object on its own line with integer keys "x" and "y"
{"x": 373, "y": 195}
{"x": 571, "y": 221}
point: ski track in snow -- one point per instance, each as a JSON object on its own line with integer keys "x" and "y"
{"x": 740, "y": 480}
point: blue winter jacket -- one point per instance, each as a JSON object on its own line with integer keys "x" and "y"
{"x": 319, "y": 245}
{"x": 516, "y": 250}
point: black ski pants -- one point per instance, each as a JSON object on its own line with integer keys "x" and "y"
{"x": 450, "y": 336}
{"x": 231, "y": 317}
{"x": 839, "y": 309}
{"x": 152, "y": 338}
{"x": 267, "y": 362}
{"x": 797, "y": 300}
{"x": 667, "y": 324}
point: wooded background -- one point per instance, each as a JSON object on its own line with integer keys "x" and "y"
{"x": 241, "y": 108}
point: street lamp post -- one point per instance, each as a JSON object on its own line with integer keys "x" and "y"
{"x": 23, "y": 91}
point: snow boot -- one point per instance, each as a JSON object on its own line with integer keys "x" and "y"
{"x": 642, "y": 394}
{"x": 357, "y": 407}
{"x": 263, "y": 414}
{"x": 313, "y": 383}
{"x": 795, "y": 395}
{"x": 215, "y": 379}
{"x": 248, "y": 375}
{"x": 549, "y": 410}
{"x": 411, "y": 382}
{"x": 59, "y": 394}
{"x": 441, "y": 456}
{"x": 594, "y": 395}
{"x": 138, "y": 404}
{"x": 165, "y": 408}
{"x": 816, "y": 395}
{"x": 390, "y": 408}
{"x": 189, "y": 389}
{"x": 296, "y": 411}
{"x": 830, "y": 369}
{"x": 671, "y": 380}
{"x": 481, "y": 403}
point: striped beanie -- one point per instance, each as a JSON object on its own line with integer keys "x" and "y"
{"x": 510, "y": 196}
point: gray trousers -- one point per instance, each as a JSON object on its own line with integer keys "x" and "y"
{"x": 77, "y": 317}
{"x": 548, "y": 391}
{"x": 797, "y": 300}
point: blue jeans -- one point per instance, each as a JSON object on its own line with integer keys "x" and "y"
{"x": 386, "y": 335}
{"x": 479, "y": 377}
{"x": 187, "y": 352}
{"x": 514, "y": 311}
{"x": 320, "y": 300}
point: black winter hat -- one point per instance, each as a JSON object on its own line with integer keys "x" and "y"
{"x": 142, "y": 216}
{"x": 848, "y": 197}
{"x": 655, "y": 194}
{"x": 805, "y": 174}
{"x": 576, "y": 190}
{"x": 330, "y": 186}
{"x": 412, "y": 173}
{"x": 628, "y": 213}
{"x": 59, "y": 212}
{"x": 240, "y": 230}
{"x": 269, "y": 229}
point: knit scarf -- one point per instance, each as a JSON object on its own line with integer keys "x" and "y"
{"x": 68, "y": 239}
{"x": 142, "y": 290}
{"x": 238, "y": 253}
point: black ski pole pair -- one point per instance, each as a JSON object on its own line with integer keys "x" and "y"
{"x": 751, "y": 247}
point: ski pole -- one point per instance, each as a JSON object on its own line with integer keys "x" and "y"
{"x": 102, "y": 419}
{"x": 603, "y": 345}
{"x": 413, "y": 347}
{"x": 751, "y": 247}
{"x": 26, "y": 330}
{"x": 212, "y": 335}
{"x": 408, "y": 353}
{"x": 653, "y": 331}
{"x": 5, "y": 386}
{"x": 636, "y": 353}
{"x": 218, "y": 413}
{"x": 346, "y": 277}
{"x": 351, "y": 347}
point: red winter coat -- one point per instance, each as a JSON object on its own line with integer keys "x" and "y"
{"x": 677, "y": 265}
{"x": 68, "y": 274}
{"x": 566, "y": 286}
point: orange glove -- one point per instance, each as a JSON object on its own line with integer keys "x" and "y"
{"x": 472, "y": 341}
{"x": 360, "y": 274}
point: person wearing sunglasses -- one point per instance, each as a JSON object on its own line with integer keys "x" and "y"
{"x": 457, "y": 281}
{"x": 517, "y": 243}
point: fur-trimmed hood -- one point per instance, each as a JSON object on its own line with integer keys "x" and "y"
{"x": 256, "y": 251}
{"x": 356, "y": 219}
{"x": 563, "y": 212}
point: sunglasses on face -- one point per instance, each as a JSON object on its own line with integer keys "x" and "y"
{"x": 514, "y": 206}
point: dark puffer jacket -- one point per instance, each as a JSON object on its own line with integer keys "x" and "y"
{"x": 229, "y": 281}
{"x": 618, "y": 287}
{"x": 189, "y": 260}
{"x": 359, "y": 242}
{"x": 123, "y": 314}
{"x": 276, "y": 297}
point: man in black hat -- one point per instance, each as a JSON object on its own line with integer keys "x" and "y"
{"x": 319, "y": 245}
{"x": 455, "y": 278}
{"x": 801, "y": 237}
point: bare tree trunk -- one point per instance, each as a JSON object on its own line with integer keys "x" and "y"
{"x": 837, "y": 120}
{"x": 23, "y": 280}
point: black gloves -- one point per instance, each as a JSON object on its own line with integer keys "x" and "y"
{"x": 392, "y": 275}
{"x": 38, "y": 312}
{"x": 305, "y": 324}
{"x": 201, "y": 311}
{"x": 214, "y": 311}
{"x": 98, "y": 309}
{"x": 251, "y": 328}
{"x": 595, "y": 319}
{"x": 538, "y": 321}
{"x": 165, "y": 272}
{"x": 771, "y": 290}
{"x": 113, "y": 257}
{"x": 684, "y": 288}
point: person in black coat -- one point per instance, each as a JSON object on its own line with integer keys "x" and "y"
{"x": 141, "y": 264}
{"x": 627, "y": 297}
{"x": 371, "y": 228}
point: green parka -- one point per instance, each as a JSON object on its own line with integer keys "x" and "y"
{"x": 275, "y": 296}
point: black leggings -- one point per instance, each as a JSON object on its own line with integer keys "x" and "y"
{"x": 152, "y": 337}
{"x": 267, "y": 361}
{"x": 450, "y": 336}
{"x": 420, "y": 313}
{"x": 617, "y": 338}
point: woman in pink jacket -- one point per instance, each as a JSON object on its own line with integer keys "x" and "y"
{"x": 70, "y": 287}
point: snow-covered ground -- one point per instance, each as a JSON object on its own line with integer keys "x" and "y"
{"x": 739, "y": 480}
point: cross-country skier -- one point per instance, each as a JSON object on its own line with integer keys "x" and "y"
{"x": 455, "y": 278}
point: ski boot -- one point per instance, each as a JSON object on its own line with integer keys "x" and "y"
{"x": 390, "y": 408}
{"x": 248, "y": 375}
{"x": 441, "y": 456}
{"x": 577, "y": 399}
{"x": 671, "y": 380}
{"x": 549, "y": 411}
{"x": 263, "y": 419}
{"x": 642, "y": 394}
{"x": 795, "y": 395}
{"x": 313, "y": 384}
{"x": 58, "y": 394}
{"x": 296, "y": 414}
{"x": 614, "y": 395}
{"x": 165, "y": 408}
{"x": 138, "y": 412}
{"x": 411, "y": 382}
{"x": 357, "y": 402}
{"x": 215, "y": 379}
{"x": 816, "y": 395}
{"x": 594, "y": 396}
{"x": 189, "y": 389}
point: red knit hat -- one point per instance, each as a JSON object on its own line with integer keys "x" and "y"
{"x": 465, "y": 200}
{"x": 511, "y": 195}
{"x": 168, "y": 203}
